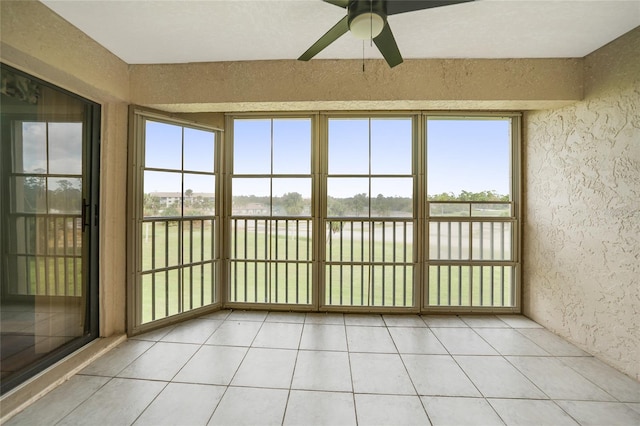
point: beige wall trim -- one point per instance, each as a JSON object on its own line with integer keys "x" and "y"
{"x": 35, "y": 388}
{"x": 341, "y": 84}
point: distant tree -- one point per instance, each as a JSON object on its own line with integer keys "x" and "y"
{"x": 293, "y": 203}
{"x": 359, "y": 202}
{"x": 66, "y": 197}
{"x": 381, "y": 205}
{"x": 188, "y": 195}
{"x": 151, "y": 205}
{"x": 336, "y": 206}
{"x": 172, "y": 210}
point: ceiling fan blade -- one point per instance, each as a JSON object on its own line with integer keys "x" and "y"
{"x": 339, "y": 3}
{"x": 401, "y": 6}
{"x": 388, "y": 47}
{"x": 332, "y": 35}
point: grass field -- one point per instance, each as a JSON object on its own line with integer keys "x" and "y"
{"x": 276, "y": 267}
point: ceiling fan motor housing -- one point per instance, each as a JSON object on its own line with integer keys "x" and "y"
{"x": 366, "y": 18}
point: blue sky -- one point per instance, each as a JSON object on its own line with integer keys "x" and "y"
{"x": 470, "y": 154}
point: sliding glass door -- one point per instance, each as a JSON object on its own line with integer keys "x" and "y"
{"x": 48, "y": 228}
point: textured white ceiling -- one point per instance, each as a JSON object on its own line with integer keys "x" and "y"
{"x": 169, "y": 31}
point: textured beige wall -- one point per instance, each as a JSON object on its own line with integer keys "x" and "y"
{"x": 341, "y": 84}
{"x": 39, "y": 42}
{"x": 582, "y": 215}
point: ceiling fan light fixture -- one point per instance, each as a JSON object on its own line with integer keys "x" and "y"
{"x": 366, "y": 26}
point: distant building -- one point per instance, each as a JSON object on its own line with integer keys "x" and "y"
{"x": 169, "y": 198}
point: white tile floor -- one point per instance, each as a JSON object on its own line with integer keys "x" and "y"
{"x": 259, "y": 368}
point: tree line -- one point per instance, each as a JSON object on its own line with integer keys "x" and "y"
{"x": 294, "y": 204}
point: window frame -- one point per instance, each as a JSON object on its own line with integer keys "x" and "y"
{"x": 138, "y": 116}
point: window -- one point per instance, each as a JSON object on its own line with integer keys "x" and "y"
{"x": 388, "y": 212}
{"x": 177, "y": 222}
{"x": 471, "y": 219}
{"x": 369, "y": 222}
{"x": 271, "y": 224}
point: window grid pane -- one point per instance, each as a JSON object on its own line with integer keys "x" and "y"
{"x": 178, "y": 232}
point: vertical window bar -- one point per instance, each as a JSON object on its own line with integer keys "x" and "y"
{"x": 275, "y": 281}
{"x": 202, "y": 284}
{"x": 190, "y": 222}
{"x": 74, "y": 253}
{"x": 362, "y": 293}
{"x": 393, "y": 268}
{"x": 502, "y": 241}
{"x": 255, "y": 255}
{"x": 459, "y": 285}
{"x": 286, "y": 264}
{"x": 53, "y": 258}
{"x": 308, "y": 262}
{"x": 297, "y": 261}
{"x": 438, "y": 293}
{"x": 153, "y": 267}
{"x": 491, "y": 241}
{"x": 502, "y": 286}
{"x": 235, "y": 257}
{"x": 245, "y": 259}
{"x": 267, "y": 247}
{"x": 65, "y": 267}
{"x": 404, "y": 269}
{"x": 439, "y": 234}
{"x": 449, "y": 240}
{"x": 372, "y": 256}
{"x": 471, "y": 269}
{"x": 351, "y": 264}
{"x": 166, "y": 264}
{"x": 384, "y": 228}
{"x": 341, "y": 266}
{"x": 46, "y": 254}
{"x": 448, "y": 284}
{"x": 460, "y": 240}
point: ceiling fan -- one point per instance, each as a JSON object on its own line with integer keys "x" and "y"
{"x": 367, "y": 19}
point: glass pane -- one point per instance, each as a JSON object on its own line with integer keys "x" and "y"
{"x": 162, "y": 193}
{"x": 449, "y": 240}
{"x": 199, "y": 195}
{"x": 30, "y": 150}
{"x": 449, "y": 209}
{"x": 163, "y": 146}
{"x": 391, "y": 146}
{"x": 392, "y": 197}
{"x": 292, "y": 146}
{"x": 251, "y": 196}
{"x": 44, "y": 277}
{"x": 252, "y": 146}
{"x": 199, "y": 150}
{"x": 349, "y": 146}
{"x": 65, "y": 148}
{"x": 468, "y": 159}
{"x": 491, "y": 241}
{"x": 292, "y": 197}
{"x": 348, "y": 241}
{"x": 65, "y": 195}
{"x": 347, "y": 197}
{"x": 29, "y": 194}
{"x": 491, "y": 210}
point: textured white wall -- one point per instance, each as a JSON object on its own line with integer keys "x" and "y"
{"x": 582, "y": 214}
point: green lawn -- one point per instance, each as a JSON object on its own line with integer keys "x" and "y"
{"x": 271, "y": 268}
